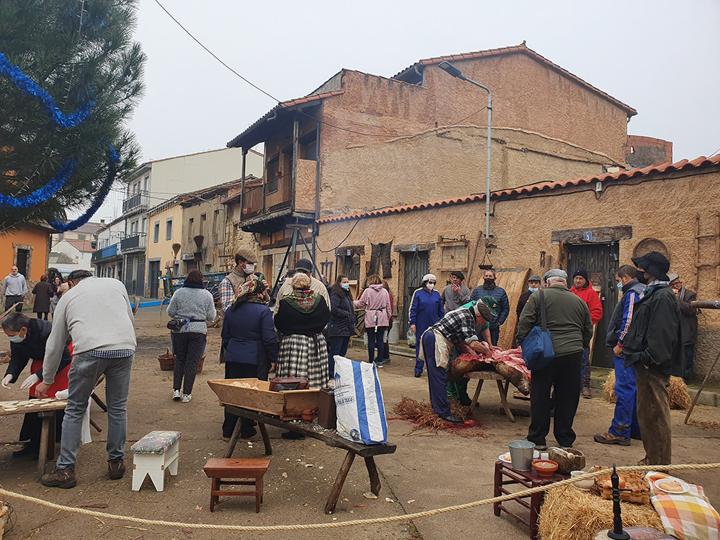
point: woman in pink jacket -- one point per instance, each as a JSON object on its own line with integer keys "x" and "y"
{"x": 375, "y": 300}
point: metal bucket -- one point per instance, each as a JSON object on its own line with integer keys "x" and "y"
{"x": 521, "y": 454}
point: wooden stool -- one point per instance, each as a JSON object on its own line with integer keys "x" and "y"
{"x": 502, "y": 385}
{"x": 155, "y": 453}
{"x": 249, "y": 470}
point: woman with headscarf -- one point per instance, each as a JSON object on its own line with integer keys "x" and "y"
{"x": 426, "y": 308}
{"x": 375, "y": 300}
{"x": 250, "y": 344}
{"x": 300, "y": 319}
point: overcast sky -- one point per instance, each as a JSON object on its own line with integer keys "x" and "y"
{"x": 659, "y": 56}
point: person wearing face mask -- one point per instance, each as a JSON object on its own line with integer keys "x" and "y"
{"x": 15, "y": 289}
{"x": 342, "y": 321}
{"x": 456, "y": 293}
{"x": 306, "y": 267}
{"x": 426, "y": 308}
{"x": 231, "y": 286}
{"x": 28, "y": 338}
{"x": 496, "y": 298}
{"x": 533, "y": 287}
{"x": 689, "y": 321}
{"x": 624, "y": 425}
{"x": 375, "y": 300}
{"x": 653, "y": 348}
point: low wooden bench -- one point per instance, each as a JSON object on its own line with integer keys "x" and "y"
{"x": 246, "y": 472}
{"x": 329, "y": 437}
{"x": 502, "y": 385}
{"x": 155, "y": 453}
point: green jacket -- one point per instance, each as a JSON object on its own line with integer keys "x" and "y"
{"x": 568, "y": 320}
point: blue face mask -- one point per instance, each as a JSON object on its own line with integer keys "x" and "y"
{"x": 345, "y": 286}
{"x": 619, "y": 285}
{"x": 16, "y": 339}
{"x": 533, "y": 289}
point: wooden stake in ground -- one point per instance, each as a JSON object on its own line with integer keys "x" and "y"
{"x": 702, "y": 386}
{"x": 7, "y": 311}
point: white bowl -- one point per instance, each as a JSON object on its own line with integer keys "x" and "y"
{"x": 586, "y": 483}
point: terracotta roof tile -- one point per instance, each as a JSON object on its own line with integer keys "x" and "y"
{"x": 519, "y": 49}
{"x": 84, "y": 246}
{"x": 652, "y": 170}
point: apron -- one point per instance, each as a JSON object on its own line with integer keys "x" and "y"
{"x": 60, "y": 383}
{"x": 443, "y": 346}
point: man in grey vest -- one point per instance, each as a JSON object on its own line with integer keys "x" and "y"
{"x": 230, "y": 287}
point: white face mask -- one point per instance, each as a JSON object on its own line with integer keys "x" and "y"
{"x": 345, "y": 286}
{"x": 249, "y": 268}
{"x": 533, "y": 289}
{"x": 16, "y": 339}
{"x": 430, "y": 286}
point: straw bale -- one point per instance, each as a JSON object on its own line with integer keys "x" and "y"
{"x": 571, "y": 514}
{"x": 677, "y": 391}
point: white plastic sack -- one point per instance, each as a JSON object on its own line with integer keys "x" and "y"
{"x": 359, "y": 402}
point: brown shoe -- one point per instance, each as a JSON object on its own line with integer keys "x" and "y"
{"x": 60, "y": 478}
{"x": 609, "y": 438}
{"x": 586, "y": 393}
{"x": 116, "y": 469}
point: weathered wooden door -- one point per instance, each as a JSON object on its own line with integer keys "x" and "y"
{"x": 601, "y": 263}
{"x": 417, "y": 264}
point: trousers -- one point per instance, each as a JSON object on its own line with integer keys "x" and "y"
{"x": 84, "y": 374}
{"x": 585, "y": 373}
{"x": 563, "y": 378}
{"x": 653, "y": 410}
{"x": 495, "y": 334}
{"x": 337, "y": 345}
{"x": 625, "y": 422}
{"x": 188, "y": 348}
{"x": 376, "y": 341}
{"x": 437, "y": 377}
{"x": 12, "y": 299}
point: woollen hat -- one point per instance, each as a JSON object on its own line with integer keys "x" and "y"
{"x": 429, "y": 277}
{"x": 555, "y": 272}
{"x": 655, "y": 264}
{"x": 304, "y": 265}
{"x": 582, "y": 273}
{"x": 481, "y": 308}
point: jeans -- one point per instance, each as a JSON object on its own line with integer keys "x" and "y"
{"x": 376, "y": 341}
{"x": 84, "y": 374}
{"x": 233, "y": 370}
{"x": 689, "y": 360}
{"x": 336, "y": 345}
{"x": 563, "y": 377}
{"x": 625, "y": 421}
{"x": 494, "y": 334}
{"x": 188, "y": 348}
{"x": 11, "y": 299}
{"x": 42, "y": 315}
{"x": 585, "y": 373}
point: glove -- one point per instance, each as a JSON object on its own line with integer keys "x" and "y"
{"x": 62, "y": 394}
{"x": 27, "y": 383}
{"x": 6, "y": 381}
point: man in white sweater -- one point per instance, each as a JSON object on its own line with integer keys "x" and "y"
{"x": 96, "y": 314}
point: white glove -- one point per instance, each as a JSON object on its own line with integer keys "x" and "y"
{"x": 62, "y": 394}
{"x": 27, "y": 383}
{"x": 6, "y": 381}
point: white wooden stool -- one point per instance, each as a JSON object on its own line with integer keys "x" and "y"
{"x": 155, "y": 453}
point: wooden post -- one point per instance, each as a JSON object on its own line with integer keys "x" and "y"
{"x": 44, "y": 439}
{"x": 339, "y": 482}
{"x": 233, "y": 439}
{"x": 374, "y": 476}
{"x": 265, "y": 438}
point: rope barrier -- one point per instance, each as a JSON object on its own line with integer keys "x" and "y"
{"x": 356, "y": 522}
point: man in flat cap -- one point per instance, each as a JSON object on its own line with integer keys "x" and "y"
{"x": 231, "y": 286}
{"x": 653, "y": 347}
{"x": 568, "y": 320}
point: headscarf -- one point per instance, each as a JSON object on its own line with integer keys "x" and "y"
{"x": 428, "y": 277}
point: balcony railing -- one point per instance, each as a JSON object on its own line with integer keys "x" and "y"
{"x": 105, "y": 253}
{"x": 133, "y": 243}
{"x": 138, "y": 200}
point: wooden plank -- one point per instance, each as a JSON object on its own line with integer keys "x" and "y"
{"x": 9, "y": 408}
{"x": 514, "y": 282}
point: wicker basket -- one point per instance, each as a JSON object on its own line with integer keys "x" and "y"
{"x": 167, "y": 362}
{"x": 4, "y": 516}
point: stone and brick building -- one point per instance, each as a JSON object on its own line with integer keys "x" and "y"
{"x": 598, "y": 222}
{"x": 361, "y": 141}
{"x": 644, "y": 151}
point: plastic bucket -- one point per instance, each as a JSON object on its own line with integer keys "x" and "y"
{"x": 521, "y": 454}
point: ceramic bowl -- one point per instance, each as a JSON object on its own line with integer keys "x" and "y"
{"x": 545, "y": 467}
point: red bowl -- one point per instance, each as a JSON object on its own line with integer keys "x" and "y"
{"x": 545, "y": 467}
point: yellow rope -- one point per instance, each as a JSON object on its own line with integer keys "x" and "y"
{"x": 356, "y": 522}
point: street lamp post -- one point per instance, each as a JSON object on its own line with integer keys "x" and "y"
{"x": 455, "y": 72}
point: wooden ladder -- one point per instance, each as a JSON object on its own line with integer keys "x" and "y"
{"x": 699, "y": 237}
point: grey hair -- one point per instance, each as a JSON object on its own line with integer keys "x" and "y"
{"x": 555, "y": 279}
{"x": 15, "y": 322}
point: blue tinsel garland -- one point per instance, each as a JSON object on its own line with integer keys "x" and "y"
{"x": 42, "y": 194}
{"x": 113, "y": 160}
{"x": 30, "y": 87}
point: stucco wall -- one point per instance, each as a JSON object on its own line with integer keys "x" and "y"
{"x": 664, "y": 209}
{"x": 446, "y": 162}
{"x": 31, "y": 238}
{"x": 162, "y": 249}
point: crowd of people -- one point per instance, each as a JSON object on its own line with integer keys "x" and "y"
{"x": 651, "y": 333}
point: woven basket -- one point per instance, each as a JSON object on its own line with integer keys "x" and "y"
{"x": 167, "y": 362}
{"x": 4, "y": 515}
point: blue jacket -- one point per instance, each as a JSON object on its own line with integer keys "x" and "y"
{"x": 248, "y": 335}
{"x": 342, "y": 314}
{"x": 426, "y": 308}
{"x": 500, "y": 298}
{"x": 623, "y": 314}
